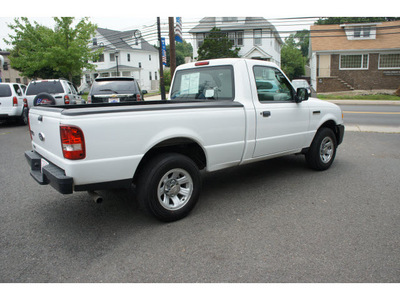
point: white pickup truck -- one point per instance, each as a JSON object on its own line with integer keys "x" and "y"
{"x": 221, "y": 113}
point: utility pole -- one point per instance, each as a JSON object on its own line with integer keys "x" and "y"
{"x": 162, "y": 86}
{"x": 172, "y": 53}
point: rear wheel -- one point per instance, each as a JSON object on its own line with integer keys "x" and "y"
{"x": 169, "y": 186}
{"x": 322, "y": 151}
{"x": 23, "y": 119}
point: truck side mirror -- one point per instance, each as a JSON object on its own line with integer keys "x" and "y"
{"x": 301, "y": 95}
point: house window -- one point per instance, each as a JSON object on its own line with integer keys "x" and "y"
{"x": 257, "y": 37}
{"x": 150, "y": 57}
{"x": 112, "y": 56}
{"x": 140, "y": 65}
{"x": 128, "y": 57}
{"x": 362, "y": 32}
{"x": 150, "y": 76}
{"x": 155, "y": 76}
{"x": 100, "y": 59}
{"x": 236, "y": 37}
{"x": 389, "y": 61}
{"x": 200, "y": 39}
{"x": 358, "y": 61}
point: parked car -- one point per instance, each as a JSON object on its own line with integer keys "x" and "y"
{"x": 213, "y": 120}
{"x": 115, "y": 89}
{"x": 52, "y": 91}
{"x": 302, "y": 83}
{"x": 13, "y": 103}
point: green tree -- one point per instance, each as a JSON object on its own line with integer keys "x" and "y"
{"x": 292, "y": 60}
{"x": 303, "y": 40}
{"x": 182, "y": 50}
{"x": 38, "y": 51}
{"x": 342, "y": 20}
{"x": 217, "y": 45}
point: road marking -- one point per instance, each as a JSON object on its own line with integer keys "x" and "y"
{"x": 372, "y": 112}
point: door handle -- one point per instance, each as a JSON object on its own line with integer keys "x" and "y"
{"x": 266, "y": 114}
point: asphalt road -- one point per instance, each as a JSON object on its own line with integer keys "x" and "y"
{"x": 273, "y": 221}
{"x": 372, "y": 115}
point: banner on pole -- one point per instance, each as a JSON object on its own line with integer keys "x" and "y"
{"x": 178, "y": 30}
{"x": 163, "y": 51}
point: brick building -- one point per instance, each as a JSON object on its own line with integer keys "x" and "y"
{"x": 355, "y": 56}
{"x": 8, "y": 74}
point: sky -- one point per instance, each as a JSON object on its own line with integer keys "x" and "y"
{"x": 125, "y": 15}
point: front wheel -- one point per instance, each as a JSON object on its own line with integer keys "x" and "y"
{"x": 169, "y": 186}
{"x": 322, "y": 151}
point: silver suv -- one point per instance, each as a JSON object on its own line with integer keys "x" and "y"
{"x": 52, "y": 91}
{"x": 13, "y": 103}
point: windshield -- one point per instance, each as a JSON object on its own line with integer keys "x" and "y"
{"x": 50, "y": 87}
{"x": 207, "y": 83}
{"x": 5, "y": 90}
{"x": 114, "y": 87}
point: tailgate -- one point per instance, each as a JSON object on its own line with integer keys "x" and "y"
{"x": 45, "y": 131}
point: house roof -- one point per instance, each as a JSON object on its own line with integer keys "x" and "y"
{"x": 121, "y": 39}
{"x": 208, "y": 23}
{"x": 333, "y": 38}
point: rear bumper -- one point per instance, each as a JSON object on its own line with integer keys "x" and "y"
{"x": 55, "y": 176}
{"x": 49, "y": 174}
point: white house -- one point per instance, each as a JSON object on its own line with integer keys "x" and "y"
{"x": 125, "y": 53}
{"x": 255, "y": 36}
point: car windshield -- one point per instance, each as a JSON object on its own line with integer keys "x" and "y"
{"x": 114, "y": 87}
{"x": 5, "y": 90}
{"x": 50, "y": 87}
{"x": 206, "y": 83}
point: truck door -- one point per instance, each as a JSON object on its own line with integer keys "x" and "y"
{"x": 281, "y": 123}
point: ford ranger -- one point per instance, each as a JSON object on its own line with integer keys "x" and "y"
{"x": 220, "y": 113}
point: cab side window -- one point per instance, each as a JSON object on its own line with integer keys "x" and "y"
{"x": 272, "y": 85}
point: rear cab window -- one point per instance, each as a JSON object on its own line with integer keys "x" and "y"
{"x": 204, "y": 83}
{"x": 117, "y": 86}
{"x": 5, "y": 90}
{"x": 50, "y": 87}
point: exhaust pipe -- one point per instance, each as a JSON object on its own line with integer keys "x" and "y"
{"x": 95, "y": 196}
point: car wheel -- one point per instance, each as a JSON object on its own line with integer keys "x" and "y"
{"x": 322, "y": 151}
{"x": 44, "y": 99}
{"x": 169, "y": 186}
{"x": 23, "y": 119}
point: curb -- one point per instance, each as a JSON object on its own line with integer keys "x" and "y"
{"x": 369, "y": 128}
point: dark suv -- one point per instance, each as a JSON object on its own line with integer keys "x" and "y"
{"x": 115, "y": 89}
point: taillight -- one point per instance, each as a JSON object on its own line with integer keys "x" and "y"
{"x": 25, "y": 102}
{"x": 15, "y": 101}
{"x": 66, "y": 99}
{"x": 72, "y": 142}
{"x": 202, "y": 63}
{"x": 138, "y": 97}
{"x": 89, "y": 99}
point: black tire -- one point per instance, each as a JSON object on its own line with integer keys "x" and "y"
{"x": 23, "y": 119}
{"x": 322, "y": 151}
{"x": 44, "y": 99}
{"x": 169, "y": 186}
